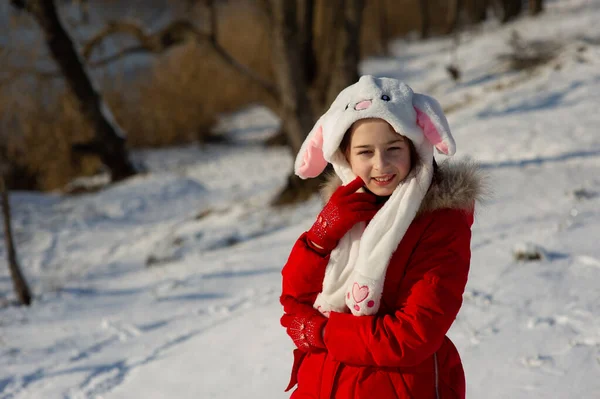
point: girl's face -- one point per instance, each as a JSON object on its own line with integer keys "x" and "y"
{"x": 379, "y": 155}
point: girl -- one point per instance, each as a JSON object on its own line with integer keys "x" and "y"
{"x": 371, "y": 289}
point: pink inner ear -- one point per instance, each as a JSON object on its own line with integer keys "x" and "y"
{"x": 313, "y": 162}
{"x": 430, "y": 131}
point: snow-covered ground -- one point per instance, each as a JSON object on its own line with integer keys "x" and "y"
{"x": 167, "y": 285}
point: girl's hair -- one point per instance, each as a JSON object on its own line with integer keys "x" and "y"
{"x": 414, "y": 155}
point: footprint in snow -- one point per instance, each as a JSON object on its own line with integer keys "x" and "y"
{"x": 537, "y": 361}
{"x": 478, "y": 297}
{"x": 538, "y": 322}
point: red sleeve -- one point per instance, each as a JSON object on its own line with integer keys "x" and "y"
{"x": 430, "y": 297}
{"x": 302, "y": 277}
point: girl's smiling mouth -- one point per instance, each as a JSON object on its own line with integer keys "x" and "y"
{"x": 383, "y": 180}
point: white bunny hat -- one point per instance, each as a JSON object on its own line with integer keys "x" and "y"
{"x": 356, "y": 270}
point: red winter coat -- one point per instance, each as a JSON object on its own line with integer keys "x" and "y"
{"x": 403, "y": 351}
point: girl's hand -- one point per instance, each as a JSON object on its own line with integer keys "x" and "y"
{"x": 306, "y": 331}
{"x": 345, "y": 208}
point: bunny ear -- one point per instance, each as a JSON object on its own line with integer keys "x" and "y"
{"x": 432, "y": 121}
{"x": 310, "y": 161}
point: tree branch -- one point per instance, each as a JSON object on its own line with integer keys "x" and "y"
{"x": 18, "y": 4}
{"x": 115, "y": 28}
{"x": 177, "y": 32}
{"x": 9, "y": 75}
{"x": 225, "y": 56}
{"x": 117, "y": 56}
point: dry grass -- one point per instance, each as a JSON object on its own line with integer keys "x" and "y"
{"x": 178, "y": 99}
{"x": 175, "y": 100}
{"x": 38, "y": 133}
{"x": 529, "y": 54}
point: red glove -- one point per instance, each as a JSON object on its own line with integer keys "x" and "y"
{"x": 306, "y": 331}
{"x": 345, "y": 208}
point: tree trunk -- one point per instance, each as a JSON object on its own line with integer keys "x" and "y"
{"x": 536, "y": 7}
{"x": 382, "y": 36}
{"x": 508, "y": 9}
{"x": 516, "y": 6}
{"x": 454, "y": 7}
{"x": 343, "y": 30}
{"x": 424, "y": 9}
{"x": 330, "y": 22}
{"x": 109, "y": 141}
{"x": 20, "y": 285}
{"x": 307, "y": 12}
{"x": 296, "y": 112}
{"x": 479, "y": 11}
{"x": 290, "y": 77}
{"x": 345, "y": 69}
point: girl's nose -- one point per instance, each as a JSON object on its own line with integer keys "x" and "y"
{"x": 380, "y": 161}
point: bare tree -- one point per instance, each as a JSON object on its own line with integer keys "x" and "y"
{"x": 339, "y": 69}
{"x": 307, "y": 74}
{"x": 454, "y": 9}
{"x": 383, "y": 31}
{"x": 330, "y": 22}
{"x": 19, "y": 283}
{"x": 424, "y": 9}
{"x": 109, "y": 142}
{"x": 344, "y": 70}
{"x": 479, "y": 11}
{"x": 507, "y": 10}
{"x": 290, "y": 69}
{"x": 306, "y": 12}
{"x": 536, "y": 6}
{"x": 290, "y": 75}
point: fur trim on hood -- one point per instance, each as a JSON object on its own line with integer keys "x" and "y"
{"x": 456, "y": 185}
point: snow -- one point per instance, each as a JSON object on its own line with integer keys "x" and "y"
{"x": 167, "y": 284}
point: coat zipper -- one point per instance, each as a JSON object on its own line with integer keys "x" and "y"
{"x": 435, "y": 365}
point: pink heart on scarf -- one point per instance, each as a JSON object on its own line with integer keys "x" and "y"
{"x": 359, "y": 293}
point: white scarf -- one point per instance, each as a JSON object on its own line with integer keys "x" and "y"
{"x": 357, "y": 267}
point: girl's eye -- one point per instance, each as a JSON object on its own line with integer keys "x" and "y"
{"x": 385, "y": 97}
{"x": 394, "y": 148}
{"x": 364, "y": 152}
